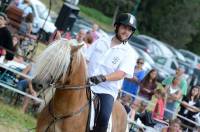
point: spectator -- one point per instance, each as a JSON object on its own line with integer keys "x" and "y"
{"x": 134, "y": 106}
{"x": 26, "y": 25}
{"x": 148, "y": 85}
{"x": 131, "y": 85}
{"x": 174, "y": 126}
{"x": 174, "y": 93}
{"x": 190, "y": 106}
{"x": 183, "y": 82}
{"x": 18, "y": 57}
{"x": 26, "y": 7}
{"x": 80, "y": 36}
{"x": 158, "y": 112}
{"x": 144, "y": 115}
{"x": 25, "y": 83}
{"x": 94, "y": 32}
{"x": 88, "y": 39}
{"x": 6, "y": 38}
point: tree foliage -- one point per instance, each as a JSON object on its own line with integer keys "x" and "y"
{"x": 173, "y": 21}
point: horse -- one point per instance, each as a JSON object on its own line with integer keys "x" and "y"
{"x": 68, "y": 110}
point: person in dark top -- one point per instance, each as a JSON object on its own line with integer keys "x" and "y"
{"x": 148, "y": 85}
{"x": 190, "y": 106}
{"x": 5, "y": 38}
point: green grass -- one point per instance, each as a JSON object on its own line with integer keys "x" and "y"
{"x": 96, "y": 16}
{"x": 12, "y": 119}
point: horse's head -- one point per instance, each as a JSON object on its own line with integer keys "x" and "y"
{"x": 62, "y": 62}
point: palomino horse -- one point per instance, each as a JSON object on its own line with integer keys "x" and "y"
{"x": 68, "y": 109}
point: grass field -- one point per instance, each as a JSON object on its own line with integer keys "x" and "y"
{"x": 13, "y": 120}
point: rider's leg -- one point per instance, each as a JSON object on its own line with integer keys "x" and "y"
{"x": 105, "y": 112}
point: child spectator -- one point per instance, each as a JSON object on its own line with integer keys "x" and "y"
{"x": 158, "y": 112}
{"x": 148, "y": 85}
{"x": 174, "y": 126}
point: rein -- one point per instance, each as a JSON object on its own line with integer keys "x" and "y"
{"x": 70, "y": 87}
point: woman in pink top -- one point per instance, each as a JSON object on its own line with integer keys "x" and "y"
{"x": 158, "y": 112}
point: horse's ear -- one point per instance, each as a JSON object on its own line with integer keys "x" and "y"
{"x": 75, "y": 48}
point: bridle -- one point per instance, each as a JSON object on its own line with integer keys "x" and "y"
{"x": 73, "y": 88}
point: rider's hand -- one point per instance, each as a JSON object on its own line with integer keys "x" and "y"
{"x": 97, "y": 79}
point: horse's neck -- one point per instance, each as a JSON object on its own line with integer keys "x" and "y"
{"x": 67, "y": 101}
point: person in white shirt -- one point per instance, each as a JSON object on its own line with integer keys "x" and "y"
{"x": 109, "y": 61}
{"x": 26, "y": 7}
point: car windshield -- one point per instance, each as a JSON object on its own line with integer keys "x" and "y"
{"x": 160, "y": 60}
{"x": 188, "y": 56}
{"x": 146, "y": 57}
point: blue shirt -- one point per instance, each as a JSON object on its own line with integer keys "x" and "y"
{"x": 132, "y": 87}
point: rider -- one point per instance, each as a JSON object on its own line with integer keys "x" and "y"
{"x": 109, "y": 61}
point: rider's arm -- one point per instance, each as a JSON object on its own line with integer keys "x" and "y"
{"x": 118, "y": 75}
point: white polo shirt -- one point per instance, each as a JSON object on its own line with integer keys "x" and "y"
{"x": 105, "y": 60}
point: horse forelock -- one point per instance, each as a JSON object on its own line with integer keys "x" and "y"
{"x": 53, "y": 61}
{"x": 79, "y": 66}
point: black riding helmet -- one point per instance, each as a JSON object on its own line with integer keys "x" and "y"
{"x": 125, "y": 19}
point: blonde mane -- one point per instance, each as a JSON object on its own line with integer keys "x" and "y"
{"x": 54, "y": 60}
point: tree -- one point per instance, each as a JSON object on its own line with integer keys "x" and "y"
{"x": 172, "y": 21}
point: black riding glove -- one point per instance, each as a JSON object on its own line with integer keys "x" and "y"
{"x": 97, "y": 79}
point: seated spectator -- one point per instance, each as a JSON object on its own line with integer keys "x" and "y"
{"x": 26, "y": 25}
{"x": 26, "y": 7}
{"x": 174, "y": 126}
{"x": 24, "y": 83}
{"x": 158, "y": 112}
{"x": 18, "y": 58}
{"x": 134, "y": 107}
{"x": 144, "y": 115}
{"x": 148, "y": 85}
{"x": 131, "y": 85}
{"x": 6, "y": 38}
{"x": 190, "y": 106}
{"x": 174, "y": 93}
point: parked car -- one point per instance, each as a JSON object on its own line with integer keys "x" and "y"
{"x": 177, "y": 53}
{"x": 145, "y": 45}
{"x": 191, "y": 58}
{"x": 168, "y": 64}
{"x": 160, "y": 46}
{"x": 40, "y": 13}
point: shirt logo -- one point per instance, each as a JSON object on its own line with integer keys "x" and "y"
{"x": 115, "y": 60}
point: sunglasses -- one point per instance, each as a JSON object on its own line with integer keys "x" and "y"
{"x": 140, "y": 62}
